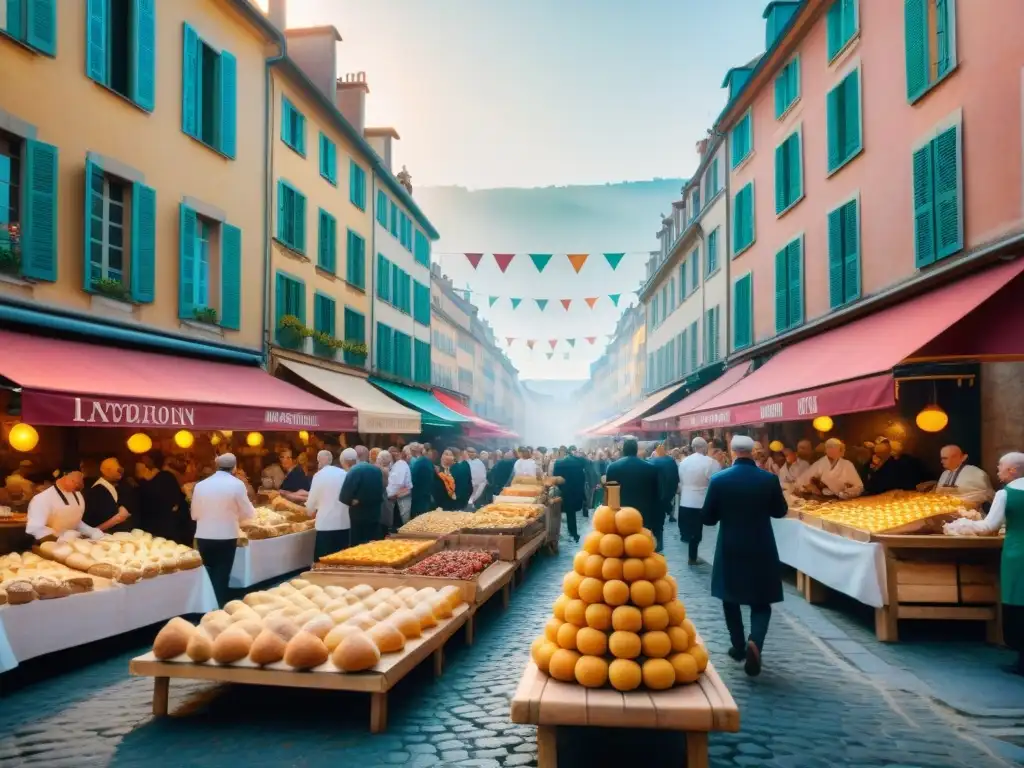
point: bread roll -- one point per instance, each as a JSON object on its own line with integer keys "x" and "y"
{"x": 396, "y": 601}
{"x": 356, "y": 653}
{"x": 129, "y": 575}
{"x": 319, "y": 625}
{"x": 252, "y": 626}
{"x": 200, "y": 647}
{"x": 47, "y": 589}
{"x": 264, "y": 609}
{"x": 298, "y": 584}
{"x": 172, "y": 640}
{"x": 46, "y": 549}
{"x": 82, "y": 547}
{"x": 335, "y": 592}
{"x": 305, "y": 651}
{"x": 382, "y": 611}
{"x": 231, "y": 645}
{"x": 218, "y": 614}
{"x": 362, "y": 590}
{"x": 103, "y": 570}
{"x": 306, "y": 615}
{"x": 372, "y": 601}
{"x": 150, "y": 569}
{"x": 339, "y": 633}
{"x": 441, "y": 607}
{"x": 282, "y": 626}
{"x": 407, "y": 622}
{"x": 246, "y": 613}
{"x": 233, "y": 606}
{"x": 267, "y": 648}
{"x": 387, "y": 637}
{"x": 321, "y": 601}
{"x": 215, "y": 627}
{"x": 424, "y": 611}
{"x": 79, "y": 584}
{"x": 79, "y": 562}
{"x": 363, "y": 620}
{"x": 168, "y": 564}
{"x": 311, "y": 591}
{"x": 453, "y": 595}
{"x": 20, "y": 592}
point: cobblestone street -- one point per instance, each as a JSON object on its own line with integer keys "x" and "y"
{"x": 823, "y": 701}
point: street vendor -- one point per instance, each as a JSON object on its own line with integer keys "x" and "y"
{"x": 57, "y": 511}
{"x": 104, "y": 506}
{"x": 793, "y": 468}
{"x": 295, "y": 486}
{"x": 832, "y": 475}
{"x": 963, "y": 480}
{"x": 886, "y": 472}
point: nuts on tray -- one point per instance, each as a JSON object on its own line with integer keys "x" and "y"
{"x": 483, "y": 520}
{"x": 438, "y": 522}
{"x": 510, "y": 509}
{"x": 390, "y": 553}
{"x": 453, "y": 564}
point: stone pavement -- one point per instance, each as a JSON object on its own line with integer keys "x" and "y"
{"x": 829, "y": 697}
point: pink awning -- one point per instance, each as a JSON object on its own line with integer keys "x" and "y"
{"x": 669, "y": 418}
{"x": 69, "y": 383}
{"x": 630, "y": 420}
{"x": 481, "y": 427}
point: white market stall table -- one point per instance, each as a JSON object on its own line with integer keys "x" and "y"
{"x": 45, "y": 626}
{"x": 265, "y": 559}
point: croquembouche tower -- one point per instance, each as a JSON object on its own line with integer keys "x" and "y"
{"x": 619, "y": 620}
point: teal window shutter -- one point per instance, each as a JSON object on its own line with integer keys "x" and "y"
{"x": 781, "y": 291}
{"x": 712, "y": 248}
{"x": 15, "y": 26}
{"x": 188, "y": 225}
{"x": 328, "y": 159}
{"x": 385, "y": 344}
{"x": 96, "y": 39}
{"x": 143, "y": 82}
{"x": 383, "y": 276}
{"x": 795, "y": 165}
{"x": 41, "y": 25}
{"x": 695, "y": 269}
{"x": 694, "y": 351}
{"x": 421, "y": 373}
{"x": 851, "y": 252}
{"x": 851, "y": 115}
{"x": 357, "y": 185}
{"x": 143, "y": 245}
{"x": 327, "y": 238}
{"x": 355, "y": 271}
{"x": 93, "y": 210}
{"x": 832, "y": 122}
{"x": 949, "y": 228}
{"x": 230, "y": 277}
{"x": 355, "y": 332}
{"x": 283, "y": 207}
{"x": 924, "y": 207}
{"x": 743, "y": 320}
{"x": 299, "y": 216}
{"x": 324, "y": 309}
{"x": 39, "y": 217}
{"x": 280, "y": 290}
{"x": 189, "y": 79}
{"x": 835, "y": 258}
{"x": 833, "y": 29}
{"x": 795, "y": 275}
{"x": 394, "y": 219}
{"x": 228, "y": 104}
{"x": 382, "y": 208}
{"x": 916, "y": 43}
{"x": 943, "y": 32}
{"x": 781, "y": 178}
{"x": 421, "y": 303}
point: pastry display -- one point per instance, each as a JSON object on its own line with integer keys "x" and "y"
{"x": 453, "y": 564}
{"x": 511, "y": 509}
{"x": 438, "y": 522}
{"x": 522, "y": 491}
{"x": 125, "y": 557}
{"x": 25, "y": 577}
{"x": 269, "y": 523}
{"x": 388, "y": 553}
{"x": 486, "y": 520}
{"x": 296, "y": 512}
{"x": 888, "y": 511}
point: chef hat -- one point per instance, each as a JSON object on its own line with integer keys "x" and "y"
{"x": 226, "y": 461}
{"x": 349, "y": 454}
{"x": 65, "y": 470}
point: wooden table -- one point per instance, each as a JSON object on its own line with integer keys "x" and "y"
{"x": 377, "y": 682}
{"x": 695, "y": 709}
{"x": 554, "y": 524}
{"x": 497, "y": 576}
{"x": 527, "y": 551}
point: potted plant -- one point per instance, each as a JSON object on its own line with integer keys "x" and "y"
{"x": 207, "y": 315}
{"x": 10, "y": 260}
{"x": 291, "y": 332}
{"x": 111, "y": 288}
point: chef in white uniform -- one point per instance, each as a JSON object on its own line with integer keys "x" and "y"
{"x": 333, "y": 524}
{"x": 525, "y": 466}
{"x": 791, "y": 471}
{"x": 57, "y": 511}
{"x": 963, "y": 480}
{"x": 832, "y": 474}
{"x": 478, "y": 476}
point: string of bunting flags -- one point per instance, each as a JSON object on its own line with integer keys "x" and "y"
{"x": 541, "y": 260}
{"x": 542, "y": 304}
{"x": 553, "y": 343}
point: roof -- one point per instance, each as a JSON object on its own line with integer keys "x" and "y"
{"x": 257, "y": 17}
{"x": 387, "y": 131}
{"x": 313, "y": 31}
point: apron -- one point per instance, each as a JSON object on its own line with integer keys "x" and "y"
{"x": 1011, "y": 574}
{"x": 67, "y": 517}
{"x": 950, "y": 482}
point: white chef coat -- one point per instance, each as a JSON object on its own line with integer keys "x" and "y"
{"x": 840, "y": 480}
{"x": 478, "y": 477}
{"x": 399, "y": 477}
{"x": 524, "y": 468}
{"x": 325, "y": 499}
{"x": 996, "y": 516}
{"x": 219, "y": 503}
{"x": 789, "y": 474}
{"x": 695, "y": 473}
{"x": 51, "y": 515}
{"x": 971, "y": 483}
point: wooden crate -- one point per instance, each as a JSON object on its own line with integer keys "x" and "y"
{"x": 503, "y": 545}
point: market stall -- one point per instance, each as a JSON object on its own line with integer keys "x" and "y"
{"x": 263, "y": 559}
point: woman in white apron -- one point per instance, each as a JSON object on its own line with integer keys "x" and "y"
{"x": 56, "y": 513}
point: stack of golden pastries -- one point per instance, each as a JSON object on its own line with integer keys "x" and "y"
{"x": 438, "y": 522}
{"x": 522, "y": 491}
{"x": 305, "y": 626}
{"x": 269, "y": 523}
{"x": 387, "y": 553}
{"x": 531, "y": 481}
{"x": 26, "y": 576}
{"x": 124, "y": 557}
{"x": 887, "y": 511}
{"x": 619, "y": 620}
{"x": 512, "y": 509}
{"x": 486, "y": 520}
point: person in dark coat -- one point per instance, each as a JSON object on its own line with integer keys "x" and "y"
{"x": 638, "y": 483}
{"x": 501, "y": 473}
{"x": 463, "y": 475}
{"x": 445, "y": 488}
{"x": 164, "y": 508}
{"x": 668, "y": 484}
{"x": 743, "y": 500}
{"x": 363, "y": 493}
{"x": 104, "y": 506}
{"x": 572, "y": 470}
{"x": 422, "y": 472}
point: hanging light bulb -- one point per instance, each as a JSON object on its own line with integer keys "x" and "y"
{"x": 23, "y": 437}
{"x": 227, "y": 433}
{"x": 215, "y": 439}
{"x": 140, "y": 442}
{"x": 932, "y": 419}
{"x": 304, "y": 436}
{"x": 776, "y": 445}
{"x": 184, "y": 439}
{"x": 254, "y": 439}
{"x": 823, "y": 424}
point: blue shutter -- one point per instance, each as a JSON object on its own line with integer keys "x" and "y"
{"x": 851, "y": 252}
{"x": 93, "y": 201}
{"x": 143, "y": 264}
{"x": 41, "y": 25}
{"x": 796, "y": 175}
{"x": 279, "y": 300}
{"x": 286, "y": 122}
{"x": 230, "y": 277}
{"x": 781, "y": 292}
{"x": 143, "y": 82}
{"x": 949, "y": 230}
{"x": 188, "y": 226}
{"x": 795, "y": 270}
{"x": 943, "y": 23}
{"x": 15, "y": 22}
{"x": 189, "y": 81}
{"x": 851, "y": 115}
{"x": 915, "y": 31}
{"x": 835, "y": 258}
{"x": 299, "y": 220}
{"x": 694, "y": 351}
{"x": 924, "y": 207}
{"x": 39, "y": 217}
{"x": 834, "y": 29}
{"x": 228, "y": 104}
{"x": 695, "y": 269}
{"x": 781, "y": 178}
{"x": 833, "y": 118}
{"x": 96, "y": 37}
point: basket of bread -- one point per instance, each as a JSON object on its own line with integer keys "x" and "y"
{"x": 25, "y": 577}
{"x": 124, "y": 557}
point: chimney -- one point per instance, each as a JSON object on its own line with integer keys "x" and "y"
{"x": 277, "y": 11}
{"x": 314, "y": 49}
{"x": 382, "y": 140}
{"x": 702, "y": 148}
{"x": 351, "y": 98}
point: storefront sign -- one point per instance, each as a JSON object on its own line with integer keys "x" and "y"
{"x": 707, "y": 419}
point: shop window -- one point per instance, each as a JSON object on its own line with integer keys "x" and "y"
{"x": 210, "y": 270}
{"x": 121, "y": 47}
{"x": 844, "y": 254}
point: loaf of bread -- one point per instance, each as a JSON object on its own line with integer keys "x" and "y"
{"x": 79, "y": 562}
{"x": 267, "y": 648}
{"x": 172, "y": 640}
{"x": 356, "y": 653}
{"x": 104, "y": 571}
{"x": 20, "y": 592}
{"x": 79, "y": 584}
{"x": 305, "y": 651}
{"x": 200, "y": 647}
{"x": 231, "y": 645}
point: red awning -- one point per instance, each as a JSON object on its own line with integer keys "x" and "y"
{"x": 669, "y": 418}
{"x": 849, "y": 369}
{"x": 481, "y": 427}
{"x": 592, "y": 430}
{"x": 630, "y": 420}
{"x": 69, "y": 383}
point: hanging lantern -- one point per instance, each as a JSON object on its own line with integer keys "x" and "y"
{"x": 254, "y": 439}
{"x": 776, "y": 445}
{"x": 184, "y": 439}
{"x": 932, "y": 419}
{"x": 227, "y": 433}
{"x": 823, "y": 424}
{"x": 140, "y": 442}
{"x": 215, "y": 439}
{"x": 304, "y": 437}
{"x": 23, "y": 437}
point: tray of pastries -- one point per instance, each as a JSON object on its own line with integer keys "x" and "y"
{"x": 124, "y": 557}
{"x": 25, "y": 577}
{"x": 387, "y": 553}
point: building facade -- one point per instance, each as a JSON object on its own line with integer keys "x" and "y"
{"x": 618, "y": 377}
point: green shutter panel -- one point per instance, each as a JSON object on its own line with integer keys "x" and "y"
{"x": 189, "y": 81}
{"x": 943, "y": 22}
{"x": 851, "y": 114}
{"x": 851, "y": 252}
{"x": 832, "y": 127}
{"x": 300, "y": 222}
{"x": 780, "y": 94}
{"x": 93, "y": 203}
{"x": 796, "y": 175}
{"x": 299, "y": 289}
{"x": 186, "y": 262}
{"x": 949, "y": 231}
{"x": 281, "y": 212}
{"x": 39, "y": 217}
{"x": 924, "y": 207}
{"x": 835, "y": 258}
{"x": 781, "y": 292}
{"x": 781, "y": 180}
{"x": 834, "y": 29}
{"x": 321, "y": 239}
{"x": 748, "y": 221}
{"x": 230, "y": 277}
{"x": 915, "y": 29}
{"x": 41, "y": 25}
{"x": 739, "y": 316}
{"x": 228, "y": 104}
{"x": 96, "y": 36}
{"x": 286, "y": 122}
{"x": 143, "y": 265}
{"x": 14, "y": 19}
{"x": 795, "y": 270}
{"x": 694, "y": 350}
{"x": 143, "y": 82}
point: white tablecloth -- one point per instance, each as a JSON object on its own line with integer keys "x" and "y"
{"x": 266, "y": 558}
{"x": 855, "y": 568}
{"x": 45, "y": 626}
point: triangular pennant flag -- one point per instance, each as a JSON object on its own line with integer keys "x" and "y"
{"x": 566, "y": 303}
{"x": 509, "y": 340}
{"x": 572, "y": 342}
{"x": 591, "y": 339}
{"x": 540, "y": 260}
{"x": 578, "y": 260}
{"x": 615, "y": 298}
{"x": 503, "y": 260}
{"x": 550, "y": 355}
{"x": 474, "y": 259}
{"x": 530, "y": 343}
{"x": 542, "y": 304}
{"x": 614, "y": 259}
{"x": 491, "y": 300}
{"x": 591, "y": 302}
{"x": 515, "y": 302}
{"x": 553, "y": 343}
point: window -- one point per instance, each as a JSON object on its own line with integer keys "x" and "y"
{"x": 712, "y": 249}
{"x": 324, "y": 308}
{"x": 403, "y": 355}
{"x": 938, "y": 190}
{"x": 695, "y": 269}
{"x": 291, "y": 302}
{"x": 382, "y": 208}
{"x": 654, "y": 312}
{"x": 385, "y": 348}
{"x": 355, "y": 332}
{"x": 683, "y": 293}
{"x": 328, "y": 159}
{"x": 930, "y": 38}
{"x": 741, "y": 140}
{"x": 210, "y": 262}
{"x": 787, "y": 87}
{"x": 33, "y": 23}
{"x": 394, "y": 218}
{"x": 695, "y": 203}
{"x": 401, "y": 290}
{"x": 421, "y": 303}
{"x": 120, "y": 46}
{"x": 293, "y": 126}
{"x": 844, "y": 128}
{"x": 465, "y": 380}
{"x": 843, "y": 254}
{"x": 30, "y": 233}
{"x": 383, "y": 278}
{"x": 355, "y": 268}
{"x": 405, "y": 231}
{"x": 743, "y": 219}
{"x": 209, "y": 94}
{"x": 327, "y": 242}
{"x": 108, "y": 202}
{"x": 842, "y": 23}
{"x": 291, "y": 217}
{"x": 466, "y": 344}
{"x": 672, "y": 294}
{"x": 789, "y": 286}
{"x": 357, "y": 185}
{"x": 711, "y": 350}
{"x": 743, "y": 312}
{"x": 421, "y": 249}
{"x": 711, "y": 180}
{"x": 692, "y": 345}
{"x": 789, "y": 180}
{"x": 10, "y": 202}
{"x": 421, "y": 365}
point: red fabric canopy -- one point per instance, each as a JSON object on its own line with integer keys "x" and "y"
{"x": 800, "y": 381}
{"x": 630, "y": 420}
{"x": 669, "y": 418}
{"x": 481, "y": 427}
{"x": 70, "y": 383}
